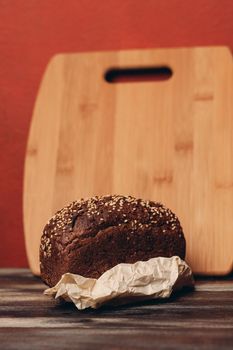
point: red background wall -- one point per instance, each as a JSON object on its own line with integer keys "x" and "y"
{"x": 31, "y": 31}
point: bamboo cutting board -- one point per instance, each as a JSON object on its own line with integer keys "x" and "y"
{"x": 169, "y": 141}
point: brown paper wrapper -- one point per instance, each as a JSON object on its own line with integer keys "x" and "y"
{"x": 124, "y": 283}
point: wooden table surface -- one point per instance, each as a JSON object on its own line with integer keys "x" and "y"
{"x": 200, "y": 319}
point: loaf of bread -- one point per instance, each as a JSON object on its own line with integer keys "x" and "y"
{"x": 90, "y": 236}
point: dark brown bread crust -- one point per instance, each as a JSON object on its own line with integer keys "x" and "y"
{"x": 90, "y": 236}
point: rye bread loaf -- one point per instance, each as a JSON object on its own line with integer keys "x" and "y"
{"x": 91, "y": 236}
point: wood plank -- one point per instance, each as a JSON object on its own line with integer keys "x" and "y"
{"x": 169, "y": 141}
{"x": 200, "y": 319}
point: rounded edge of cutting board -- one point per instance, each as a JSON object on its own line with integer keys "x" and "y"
{"x": 31, "y": 152}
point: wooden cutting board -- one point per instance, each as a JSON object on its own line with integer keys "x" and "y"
{"x": 169, "y": 141}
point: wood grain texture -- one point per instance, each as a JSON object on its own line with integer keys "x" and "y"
{"x": 201, "y": 319}
{"x": 169, "y": 141}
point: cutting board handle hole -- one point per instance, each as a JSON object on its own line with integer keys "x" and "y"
{"x": 126, "y": 75}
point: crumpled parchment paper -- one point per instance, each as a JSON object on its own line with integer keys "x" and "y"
{"x": 124, "y": 283}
